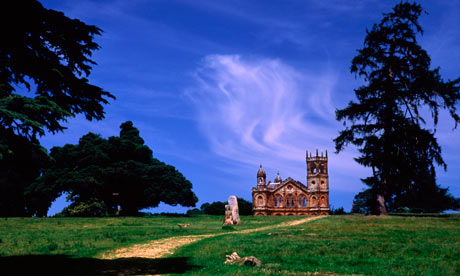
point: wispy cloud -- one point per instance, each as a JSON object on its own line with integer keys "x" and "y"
{"x": 262, "y": 110}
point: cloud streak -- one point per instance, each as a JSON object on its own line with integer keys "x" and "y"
{"x": 262, "y": 110}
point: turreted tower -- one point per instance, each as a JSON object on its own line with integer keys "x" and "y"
{"x": 278, "y": 178}
{"x": 317, "y": 172}
{"x": 261, "y": 177}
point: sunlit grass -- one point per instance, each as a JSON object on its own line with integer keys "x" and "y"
{"x": 86, "y": 237}
{"x": 345, "y": 245}
{"x": 339, "y": 244}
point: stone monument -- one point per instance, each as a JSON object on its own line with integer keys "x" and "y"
{"x": 232, "y": 216}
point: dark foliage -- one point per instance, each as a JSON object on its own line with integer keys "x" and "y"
{"x": 218, "y": 208}
{"x": 165, "y": 214}
{"x": 386, "y": 123}
{"x": 90, "y": 208}
{"x": 44, "y": 68}
{"x": 118, "y": 171}
{"x": 338, "y": 211}
{"x": 50, "y": 53}
{"x": 363, "y": 202}
{"x": 194, "y": 212}
{"x": 245, "y": 207}
{"x": 20, "y": 166}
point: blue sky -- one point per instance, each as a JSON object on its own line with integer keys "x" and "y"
{"x": 218, "y": 87}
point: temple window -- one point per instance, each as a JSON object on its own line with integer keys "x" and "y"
{"x": 260, "y": 201}
{"x": 323, "y": 201}
{"x": 290, "y": 203}
{"x": 302, "y": 202}
{"x": 313, "y": 201}
{"x": 277, "y": 200}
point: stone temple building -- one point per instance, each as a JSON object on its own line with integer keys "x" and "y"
{"x": 291, "y": 197}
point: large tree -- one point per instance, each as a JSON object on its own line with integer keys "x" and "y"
{"x": 44, "y": 68}
{"x": 118, "y": 171}
{"x": 388, "y": 122}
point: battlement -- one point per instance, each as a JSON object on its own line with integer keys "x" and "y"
{"x": 317, "y": 157}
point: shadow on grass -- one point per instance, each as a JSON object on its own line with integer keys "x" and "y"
{"x": 67, "y": 265}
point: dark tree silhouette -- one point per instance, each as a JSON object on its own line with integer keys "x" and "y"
{"x": 218, "y": 207}
{"x": 118, "y": 171}
{"x": 44, "y": 65}
{"x": 386, "y": 122}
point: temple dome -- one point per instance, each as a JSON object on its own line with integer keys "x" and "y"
{"x": 278, "y": 178}
{"x": 261, "y": 172}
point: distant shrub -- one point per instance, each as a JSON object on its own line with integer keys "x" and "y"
{"x": 338, "y": 211}
{"x": 218, "y": 207}
{"x": 164, "y": 214}
{"x": 194, "y": 211}
{"x": 402, "y": 210}
{"x": 434, "y": 215}
{"x": 245, "y": 207}
{"x": 90, "y": 208}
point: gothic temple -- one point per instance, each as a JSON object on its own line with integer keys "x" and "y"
{"x": 291, "y": 197}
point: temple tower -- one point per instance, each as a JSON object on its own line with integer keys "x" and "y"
{"x": 261, "y": 177}
{"x": 318, "y": 182}
{"x": 317, "y": 172}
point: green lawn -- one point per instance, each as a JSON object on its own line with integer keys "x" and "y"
{"x": 340, "y": 244}
{"x": 345, "y": 245}
{"x": 86, "y": 237}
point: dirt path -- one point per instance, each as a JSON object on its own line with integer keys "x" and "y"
{"x": 162, "y": 247}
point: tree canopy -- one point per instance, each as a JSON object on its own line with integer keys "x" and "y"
{"x": 118, "y": 171}
{"x": 44, "y": 68}
{"x": 48, "y": 54}
{"x": 218, "y": 207}
{"x": 387, "y": 124}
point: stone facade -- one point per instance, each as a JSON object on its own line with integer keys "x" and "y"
{"x": 291, "y": 197}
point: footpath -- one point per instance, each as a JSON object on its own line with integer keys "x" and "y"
{"x": 167, "y": 246}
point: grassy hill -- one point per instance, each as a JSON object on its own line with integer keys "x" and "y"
{"x": 336, "y": 245}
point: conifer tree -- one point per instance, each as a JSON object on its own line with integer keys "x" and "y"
{"x": 44, "y": 68}
{"x": 387, "y": 124}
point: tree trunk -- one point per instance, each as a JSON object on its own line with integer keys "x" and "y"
{"x": 382, "y": 210}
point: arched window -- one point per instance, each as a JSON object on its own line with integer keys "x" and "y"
{"x": 323, "y": 201}
{"x": 260, "y": 201}
{"x": 290, "y": 201}
{"x": 314, "y": 201}
{"x": 302, "y": 201}
{"x": 278, "y": 201}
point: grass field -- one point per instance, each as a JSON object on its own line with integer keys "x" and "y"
{"x": 86, "y": 237}
{"x": 344, "y": 245}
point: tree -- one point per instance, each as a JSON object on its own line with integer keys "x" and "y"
{"x": 44, "y": 66}
{"x": 217, "y": 208}
{"x": 118, "y": 171}
{"x": 386, "y": 122}
{"x": 21, "y": 164}
{"x": 363, "y": 202}
{"x": 245, "y": 207}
